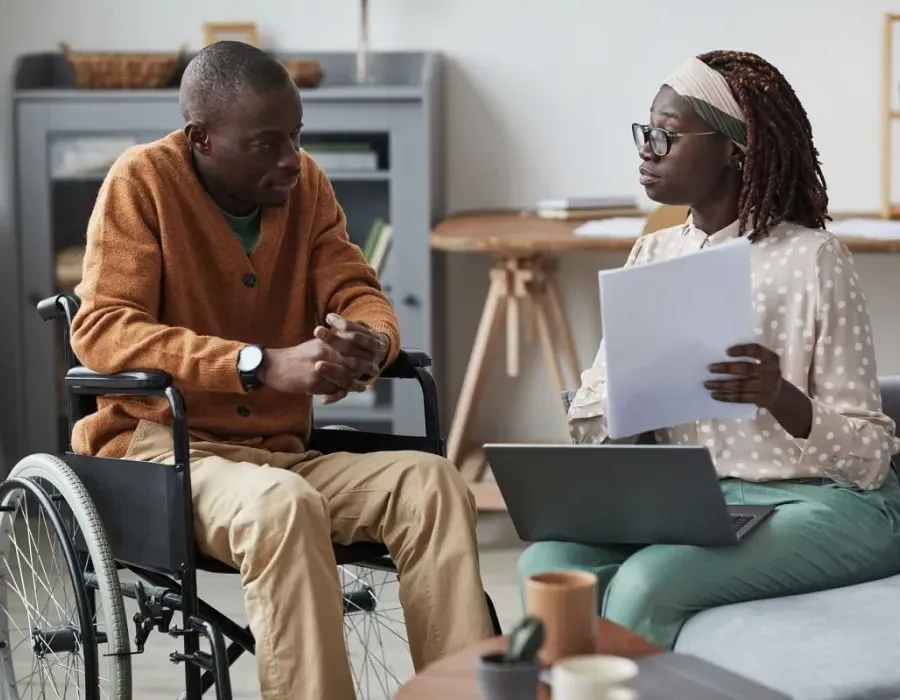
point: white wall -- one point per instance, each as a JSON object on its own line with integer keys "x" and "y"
{"x": 540, "y": 96}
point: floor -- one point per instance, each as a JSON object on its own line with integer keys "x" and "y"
{"x": 154, "y": 677}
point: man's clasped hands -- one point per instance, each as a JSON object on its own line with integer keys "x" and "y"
{"x": 338, "y": 360}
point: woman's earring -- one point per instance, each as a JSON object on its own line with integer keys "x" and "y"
{"x": 740, "y": 165}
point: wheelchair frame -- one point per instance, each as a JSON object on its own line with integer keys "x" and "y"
{"x": 166, "y": 557}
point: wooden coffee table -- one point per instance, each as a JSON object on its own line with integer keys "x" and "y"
{"x": 456, "y": 676}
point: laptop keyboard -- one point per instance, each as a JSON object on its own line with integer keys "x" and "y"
{"x": 738, "y": 521}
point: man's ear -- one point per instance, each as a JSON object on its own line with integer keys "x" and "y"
{"x": 197, "y": 137}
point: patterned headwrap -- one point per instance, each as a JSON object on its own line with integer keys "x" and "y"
{"x": 708, "y": 93}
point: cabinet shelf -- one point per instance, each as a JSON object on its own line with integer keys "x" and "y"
{"x": 358, "y": 175}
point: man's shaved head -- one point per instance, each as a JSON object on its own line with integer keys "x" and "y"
{"x": 222, "y": 73}
{"x": 242, "y": 122}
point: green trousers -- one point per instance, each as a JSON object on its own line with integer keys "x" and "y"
{"x": 821, "y": 536}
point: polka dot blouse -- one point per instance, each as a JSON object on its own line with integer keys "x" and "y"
{"x": 809, "y": 307}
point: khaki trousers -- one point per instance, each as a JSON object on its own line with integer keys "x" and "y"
{"x": 274, "y": 517}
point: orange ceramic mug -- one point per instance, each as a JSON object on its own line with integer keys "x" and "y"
{"x": 566, "y": 602}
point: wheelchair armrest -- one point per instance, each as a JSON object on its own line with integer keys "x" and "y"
{"x": 404, "y": 367}
{"x": 58, "y": 306}
{"x": 85, "y": 382}
{"x": 414, "y": 364}
{"x": 81, "y": 380}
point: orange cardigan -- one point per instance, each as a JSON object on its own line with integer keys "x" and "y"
{"x": 167, "y": 286}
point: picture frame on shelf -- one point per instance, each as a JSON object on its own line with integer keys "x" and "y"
{"x": 231, "y": 31}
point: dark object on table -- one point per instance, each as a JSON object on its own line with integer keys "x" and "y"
{"x": 304, "y": 73}
{"x": 525, "y": 641}
{"x": 123, "y": 71}
{"x": 513, "y": 674}
{"x": 507, "y": 681}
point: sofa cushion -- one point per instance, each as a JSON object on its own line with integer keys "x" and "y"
{"x": 842, "y": 644}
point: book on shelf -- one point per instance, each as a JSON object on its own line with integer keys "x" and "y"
{"x": 570, "y": 208}
{"x": 377, "y": 245}
{"x": 88, "y": 157}
{"x": 343, "y": 156}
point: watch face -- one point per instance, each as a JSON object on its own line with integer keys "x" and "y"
{"x": 250, "y": 359}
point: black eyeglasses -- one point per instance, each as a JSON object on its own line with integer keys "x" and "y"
{"x": 660, "y": 140}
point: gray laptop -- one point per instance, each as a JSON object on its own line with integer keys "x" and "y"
{"x": 618, "y": 494}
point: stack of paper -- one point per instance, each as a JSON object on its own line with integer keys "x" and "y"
{"x": 568, "y": 208}
{"x": 664, "y": 323}
{"x": 883, "y": 229}
{"x": 600, "y": 202}
{"x": 614, "y": 227}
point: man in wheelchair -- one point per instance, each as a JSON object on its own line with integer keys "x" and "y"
{"x": 219, "y": 255}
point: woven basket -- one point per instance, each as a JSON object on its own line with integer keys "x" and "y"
{"x": 122, "y": 71}
{"x": 304, "y": 73}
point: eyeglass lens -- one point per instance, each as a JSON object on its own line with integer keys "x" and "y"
{"x": 658, "y": 138}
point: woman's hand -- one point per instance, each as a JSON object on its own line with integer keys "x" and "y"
{"x": 756, "y": 380}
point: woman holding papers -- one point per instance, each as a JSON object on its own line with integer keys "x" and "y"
{"x": 729, "y": 138}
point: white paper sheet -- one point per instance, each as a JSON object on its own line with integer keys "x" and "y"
{"x": 664, "y": 323}
{"x": 883, "y": 229}
{"x": 613, "y": 227}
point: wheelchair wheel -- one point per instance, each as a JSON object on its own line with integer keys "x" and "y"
{"x": 375, "y": 631}
{"x": 62, "y": 618}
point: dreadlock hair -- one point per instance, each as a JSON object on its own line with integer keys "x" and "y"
{"x": 782, "y": 178}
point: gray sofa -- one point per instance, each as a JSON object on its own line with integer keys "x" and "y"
{"x": 842, "y": 644}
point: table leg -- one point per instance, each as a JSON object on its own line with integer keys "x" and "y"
{"x": 558, "y": 312}
{"x": 519, "y": 274}
{"x": 512, "y": 335}
{"x": 475, "y": 370}
{"x": 547, "y": 345}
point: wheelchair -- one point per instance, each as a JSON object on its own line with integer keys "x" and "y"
{"x": 105, "y": 516}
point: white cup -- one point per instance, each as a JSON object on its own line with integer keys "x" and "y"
{"x": 593, "y": 677}
{"x": 619, "y": 692}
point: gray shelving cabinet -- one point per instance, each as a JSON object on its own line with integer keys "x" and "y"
{"x": 397, "y": 109}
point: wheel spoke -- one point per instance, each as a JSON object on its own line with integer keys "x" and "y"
{"x": 374, "y": 634}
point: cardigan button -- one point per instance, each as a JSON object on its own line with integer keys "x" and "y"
{"x": 249, "y": 280}
{"x": 243, "y": 411}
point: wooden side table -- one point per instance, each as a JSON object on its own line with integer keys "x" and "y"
{"x": 456, "y": 676}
